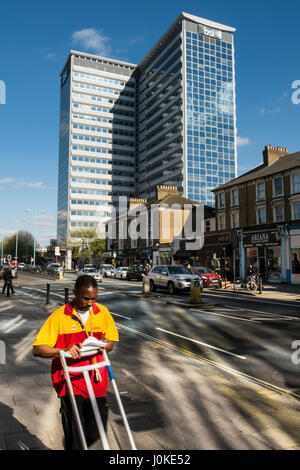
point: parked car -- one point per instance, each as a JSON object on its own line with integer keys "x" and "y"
{"x": 209, "y": 277}
{"x": 173, "y": 278}
{"x": 107, "y": 270}
{"x": 135, "y": 272}
{"x": 121, "y": 272}
{"x": 91, "y": 272}
{"x": 21, "y": 266}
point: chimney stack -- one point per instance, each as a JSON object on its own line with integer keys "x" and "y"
{"x": 164, "y": 190}
{"x": 271, "y": 154}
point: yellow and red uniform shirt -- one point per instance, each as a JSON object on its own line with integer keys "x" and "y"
{"x": 62, "y": 330}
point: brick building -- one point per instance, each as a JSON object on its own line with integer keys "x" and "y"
{"x": 262, "y": 207}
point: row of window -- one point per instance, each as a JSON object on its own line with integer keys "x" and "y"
{"x": 103, "y": 140}
{"x": 278, "y": 190}
{"x": 103, "y": 79}
{"x": 103, "y": 130}
{"x": 101, "y": 161}
{"x": 90, "y": 213}
{"x": 101, "y": 119}
{"x": 261, "y": 217}
{"x": 102, "y": 182}
{"x": 102, "y": 110}
{"x": 101, "y": 150}
{"x": 98, "y": 171}
{"x": 102, "y": 89}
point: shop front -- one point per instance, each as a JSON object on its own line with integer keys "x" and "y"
{"x": 262, "y": 249}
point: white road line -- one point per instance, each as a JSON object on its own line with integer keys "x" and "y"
{"x": 226, "y": 316}
{"x": 203, "y": 344}
{"x": 264, "y": 313}
{"x": 118, "y": 315}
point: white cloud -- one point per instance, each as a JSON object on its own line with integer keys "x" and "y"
{"x": 264, "y": 111}
{"x": 7, "y": 180}
{"x": 242, "y": 141}
{"x": 51, "y": 56}
{"x": 92, "y": 39}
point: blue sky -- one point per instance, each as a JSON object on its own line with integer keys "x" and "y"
{"x": 36, "y": 37}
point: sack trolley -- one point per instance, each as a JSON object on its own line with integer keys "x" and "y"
{"x": 85, "y": 371}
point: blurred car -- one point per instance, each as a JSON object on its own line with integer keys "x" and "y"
{"x": 121, "y": 273}
{"x": 135, "y": 272}
{"x": 91, "y": 272}
{"x": 21, "y": 266}
{"x": 173, "y": 278}
{"x": 107, "y": 270}
{"x": 210, "y": 278}
{"x": 54, "y": 268}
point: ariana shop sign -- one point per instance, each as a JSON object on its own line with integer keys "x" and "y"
{"x": 261, "y": 238}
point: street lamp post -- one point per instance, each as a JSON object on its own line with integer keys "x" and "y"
{"x": 34, "y": 239}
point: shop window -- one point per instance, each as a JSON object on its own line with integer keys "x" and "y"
{"x": 296, "y": 261}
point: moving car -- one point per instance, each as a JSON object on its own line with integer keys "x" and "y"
{"x": 121, "y": 273}
{"x": 135, "y": 272}
{"x": 54, "y": 268}
{"x": 209, "y": 277}
{"x": 21, "y": 266}
{"x": 173, "y": 278}
{"x": 91, "y": 272}
{"x": 107, "y": 270}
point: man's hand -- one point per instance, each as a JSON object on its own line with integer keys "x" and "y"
{"x": 74, "y": 350}
{"x": 109, "y": 346}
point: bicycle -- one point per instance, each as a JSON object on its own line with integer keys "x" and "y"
{"x": 253, "y": 283}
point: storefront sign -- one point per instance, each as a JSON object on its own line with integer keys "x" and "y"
{"x": 261, "y": 239}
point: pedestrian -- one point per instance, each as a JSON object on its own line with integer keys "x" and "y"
{"x": 251, "y": 270}
{"x": 65, "y": 330}
{"x": 8, "y": 285}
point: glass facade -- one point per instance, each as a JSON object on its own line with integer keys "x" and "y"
{"x": 210, "y": 115}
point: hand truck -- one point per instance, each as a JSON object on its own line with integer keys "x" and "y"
{"x": 85, "y": 370}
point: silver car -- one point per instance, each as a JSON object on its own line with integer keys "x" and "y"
{"x": 91, "y": 272}
{"x": 121, "y": 273}
{"x": 172, "y": 278}
{"x": 107, "y": 270}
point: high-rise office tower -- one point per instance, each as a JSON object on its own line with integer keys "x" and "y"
{"x": 186, "y": 103}
{"x": 97, "y": 140}
{"x": 127, "y": 128}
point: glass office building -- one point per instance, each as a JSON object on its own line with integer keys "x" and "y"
{"x": 186, "y": 102}
{"x": 126, "y": 128}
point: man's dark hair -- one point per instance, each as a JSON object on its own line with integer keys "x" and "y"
{"x": 85, "y": 281}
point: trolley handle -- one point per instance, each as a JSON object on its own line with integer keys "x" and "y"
{"x": 92, "y": 352}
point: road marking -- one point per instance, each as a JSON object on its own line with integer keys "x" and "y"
{"x": 118, "y": 315}
{"x": 143, "y": 385}
{"x": 203, "y": 344}
{"x": 226, "y": 316}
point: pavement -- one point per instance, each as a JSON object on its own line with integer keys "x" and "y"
{"x": 193, "y": 406}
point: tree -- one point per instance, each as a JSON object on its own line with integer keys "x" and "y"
{"x": 98, "y": 246}
{"x": 25, "y": 245}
